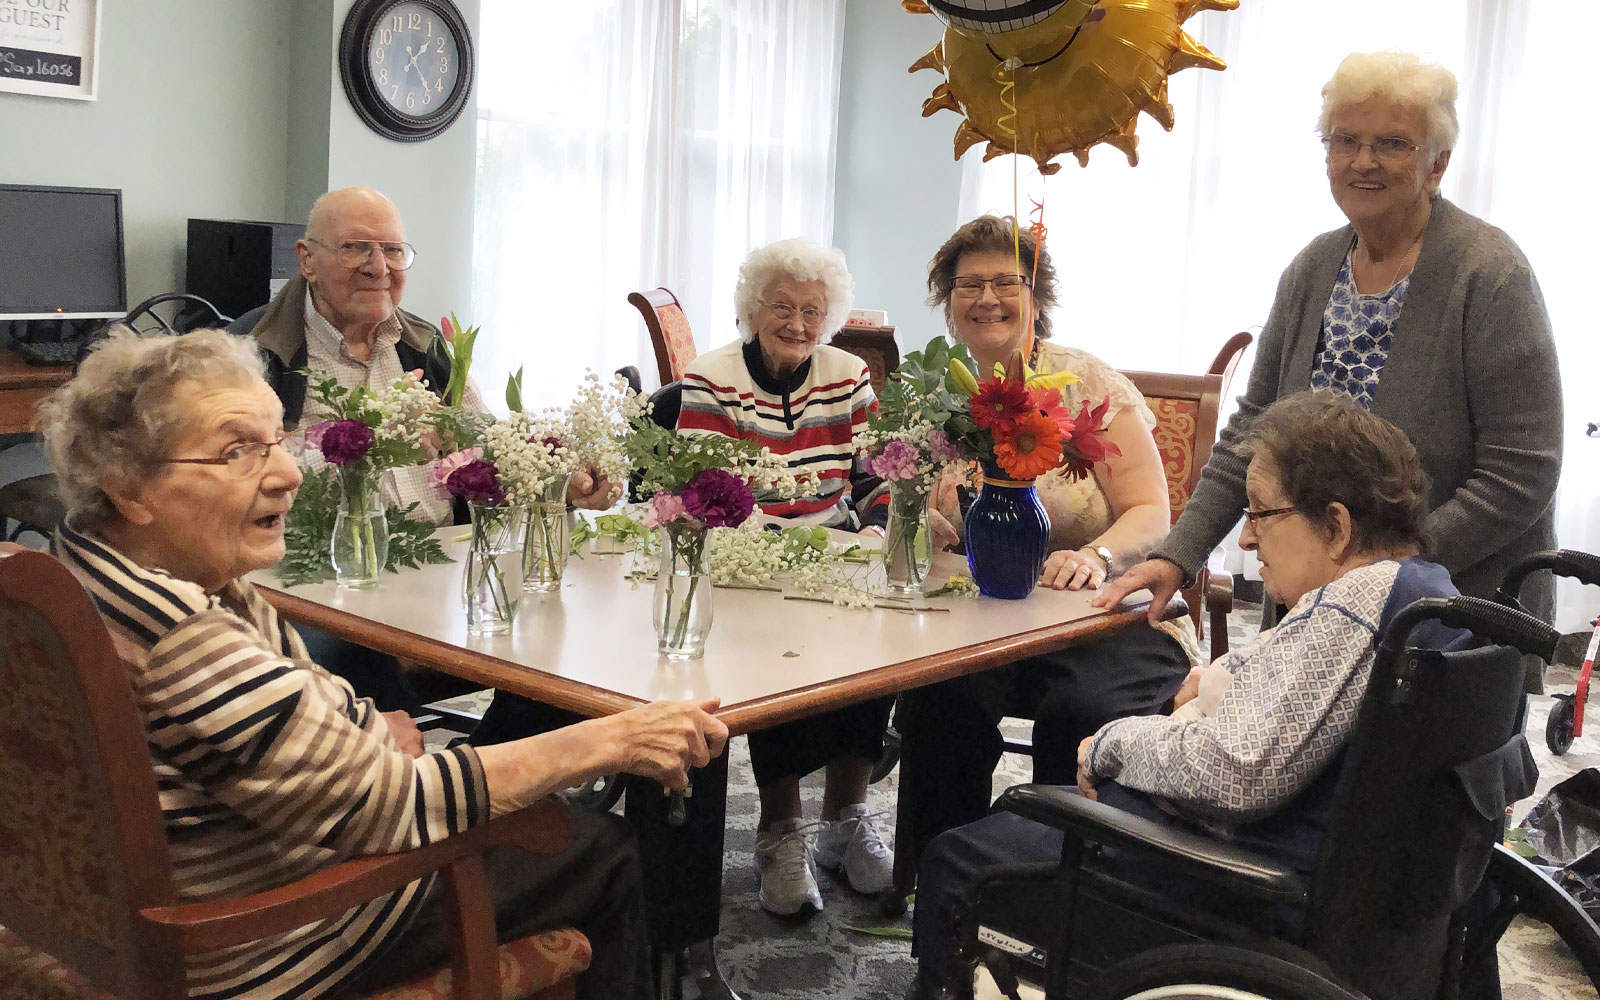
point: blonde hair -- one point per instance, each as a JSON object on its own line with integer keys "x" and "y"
{"x": 801, "y": 260}
{"x": 116, "y": 415}
{"x": 1401, "y": 77}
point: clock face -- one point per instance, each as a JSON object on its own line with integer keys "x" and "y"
{"x": 406, "y": 65}
{"x": 413, "y": 59}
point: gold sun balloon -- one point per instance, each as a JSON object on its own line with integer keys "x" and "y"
{"x": 1046, "y": 77}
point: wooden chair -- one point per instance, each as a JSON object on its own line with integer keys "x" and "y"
{"x": 1186, "y": 409}
{"x": 86, "y": 892}
{"x": 876, "y": 346}
{"x": 669, "y": 331}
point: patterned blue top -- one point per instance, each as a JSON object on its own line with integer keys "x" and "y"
{"x": 1357, "y": 330}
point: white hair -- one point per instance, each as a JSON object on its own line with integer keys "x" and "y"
{"x": 1401, "y": 77}
{"x": 801, "y": 260}
{"x": 116, "y": 415}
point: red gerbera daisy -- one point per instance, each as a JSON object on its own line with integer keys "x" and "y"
{"x": 1032, "y": 449}
{"x": 998, "y": 403}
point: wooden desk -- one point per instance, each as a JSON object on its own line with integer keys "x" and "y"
{"x": 22, "y": 388}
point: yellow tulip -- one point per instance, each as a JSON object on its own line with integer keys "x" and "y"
{"x": 963, "y": 378}
{"x": 1055, "y": 380}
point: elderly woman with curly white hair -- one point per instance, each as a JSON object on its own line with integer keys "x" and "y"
{"x": 782, "y": 387}
{"x": 1422, "y": 314}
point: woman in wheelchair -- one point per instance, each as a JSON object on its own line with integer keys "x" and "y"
{"x": 1337, "y": 502}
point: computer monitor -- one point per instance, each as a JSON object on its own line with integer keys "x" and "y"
{"x": 61, "y": 253}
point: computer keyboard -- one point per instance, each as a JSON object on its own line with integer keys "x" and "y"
{"x": 49, "y": 352}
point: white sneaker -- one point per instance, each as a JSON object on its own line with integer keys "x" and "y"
{"x": 788, "y": 880}
{"x": 856, "y": 844}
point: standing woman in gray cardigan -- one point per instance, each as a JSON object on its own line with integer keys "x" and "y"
{"x": 1423, "y": 314}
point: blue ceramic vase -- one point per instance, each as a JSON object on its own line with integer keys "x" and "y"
{"x": 1008, "y": 536}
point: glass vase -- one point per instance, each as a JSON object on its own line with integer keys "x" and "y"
{"x": 681, "y": 610}
{"x": 544, "y": 556}
{"x": 1008, "y": 536}
{"x": 907, "y": 539}
{"x": 359, "y": 548}
{"x": 492, "y": 580}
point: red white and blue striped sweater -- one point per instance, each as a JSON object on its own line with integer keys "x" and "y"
{"x": 809, "y": 418}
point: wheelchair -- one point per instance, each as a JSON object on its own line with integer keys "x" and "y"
{"x": 1411, "y": 889}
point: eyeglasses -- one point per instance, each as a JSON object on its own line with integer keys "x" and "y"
{"x": 1386, "y": 148}
{"x": 1006, "y": 286}
{"x": 356, "y": 253}
{"x": 242, "y": 460}
{"x": 785, "y": 312}
{"x": 1255, "y": 515}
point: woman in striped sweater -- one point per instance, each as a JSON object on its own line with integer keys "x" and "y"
{"x": 781, "y": 387}
{"x": 268, "y": 767}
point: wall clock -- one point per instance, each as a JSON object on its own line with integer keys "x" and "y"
{"x": 407, "y": 65}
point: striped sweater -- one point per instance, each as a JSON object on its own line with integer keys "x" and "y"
{"x": 809, "y": 418}
{"x": 268, "y": 769}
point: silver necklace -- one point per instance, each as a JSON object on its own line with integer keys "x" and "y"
{"x": 1404, "y": 257}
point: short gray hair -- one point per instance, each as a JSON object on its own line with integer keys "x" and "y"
{"x": 801, "y": 260}
{"x": 1401, "y": 77}
{"x": 116, "y": 415}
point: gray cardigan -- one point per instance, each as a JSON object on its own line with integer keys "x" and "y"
{"x": 1471, "y": 379}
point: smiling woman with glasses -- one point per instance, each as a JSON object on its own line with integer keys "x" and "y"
{"x": 1418, "y": 312}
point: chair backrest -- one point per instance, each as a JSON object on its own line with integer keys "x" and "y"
{"x": 1436, "y": 755}
{"x": 669, "y": 331}
{"x": 876, "y": 346}
{"x": 83, "y": 843}
{"x": 1186, "y": 409}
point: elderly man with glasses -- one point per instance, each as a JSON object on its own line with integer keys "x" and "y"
{"x": 341, "y": 315}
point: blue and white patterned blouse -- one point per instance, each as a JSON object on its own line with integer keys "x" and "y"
{"x": 1357, "y": 330}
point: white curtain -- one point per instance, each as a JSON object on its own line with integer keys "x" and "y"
{"x": 1160, "y": 263}
{"x": 642, "y": 143}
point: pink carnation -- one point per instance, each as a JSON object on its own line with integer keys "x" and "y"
{"x": 664, "y": 507}
{"x": 441, "y": 469}
{"x": 898, "y": 461}
{"x": 941, "y": 449}
{"x": 315, "y": 432}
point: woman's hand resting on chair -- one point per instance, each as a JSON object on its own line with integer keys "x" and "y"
{"x": 1085, "y": 779}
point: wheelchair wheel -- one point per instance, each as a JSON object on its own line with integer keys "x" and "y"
{"x": 598, "y": 795}
{"x": 1214, "y": 972}
{"x": 1525, "y": 891}
{"x": 1558, "y": 728}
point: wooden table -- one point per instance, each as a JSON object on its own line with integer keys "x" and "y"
{"x": 591, "y": 648}
{"x": 22, "y": 388}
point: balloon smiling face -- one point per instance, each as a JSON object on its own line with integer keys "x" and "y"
{"x": 1042, "y": 79}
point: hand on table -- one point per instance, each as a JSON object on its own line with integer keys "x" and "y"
{"x": 1160, "y": 576}
{"x": 663, "y": 740}
{"x": 407, "y": 737}
{"x": 1085, "y": 779}
{"x": 590, "y": 490}
{"x": 1073, "y": 569}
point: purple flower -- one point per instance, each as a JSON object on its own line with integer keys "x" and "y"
{"x": 346, "y": 441}
{"x": 314, "y": 434}
{"x": 941, "y": 449}
{"x": 718, "y": 498}
{"x": 898, "y": 461}
{"x": 477, "y": 480}
{"x": 551, "y": 443}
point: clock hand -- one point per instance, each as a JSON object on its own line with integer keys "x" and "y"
{"x": 413, "y": 63}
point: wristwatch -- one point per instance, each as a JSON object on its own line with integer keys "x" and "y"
{"x": 1104, "y": 553}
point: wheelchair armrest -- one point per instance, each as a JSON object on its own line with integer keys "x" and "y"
{"x": 1194, "y": 854}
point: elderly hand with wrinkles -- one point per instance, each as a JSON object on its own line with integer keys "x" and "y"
{"x": 1074, "y": 569}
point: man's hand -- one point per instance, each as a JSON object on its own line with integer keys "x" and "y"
{"x": 590, "y": 490}
{"x": 945, "y": 535}
{"x": 1162, "y": 578}
{"x": 407, "y": 737}
{"x": 1085, "y": 779}
{"x": 664, "y": 740}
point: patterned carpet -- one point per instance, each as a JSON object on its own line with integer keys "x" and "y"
{"x": 825, "y": 956}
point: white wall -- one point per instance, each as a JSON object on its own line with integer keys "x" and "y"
{"x": 190, "y": 122}
{"x": 896, "y": 184}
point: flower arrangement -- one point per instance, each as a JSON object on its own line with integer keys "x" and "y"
{"x": 345, "y": 531}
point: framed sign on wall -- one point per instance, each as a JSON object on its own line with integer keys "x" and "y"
{"x": 50, "y": 48}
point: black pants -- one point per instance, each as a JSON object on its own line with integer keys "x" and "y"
{"x": 374, "y": 675}
{"x": 950, "y": 736}
{"x": 795, "y": 749}
{"x": 593, "y": 886}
